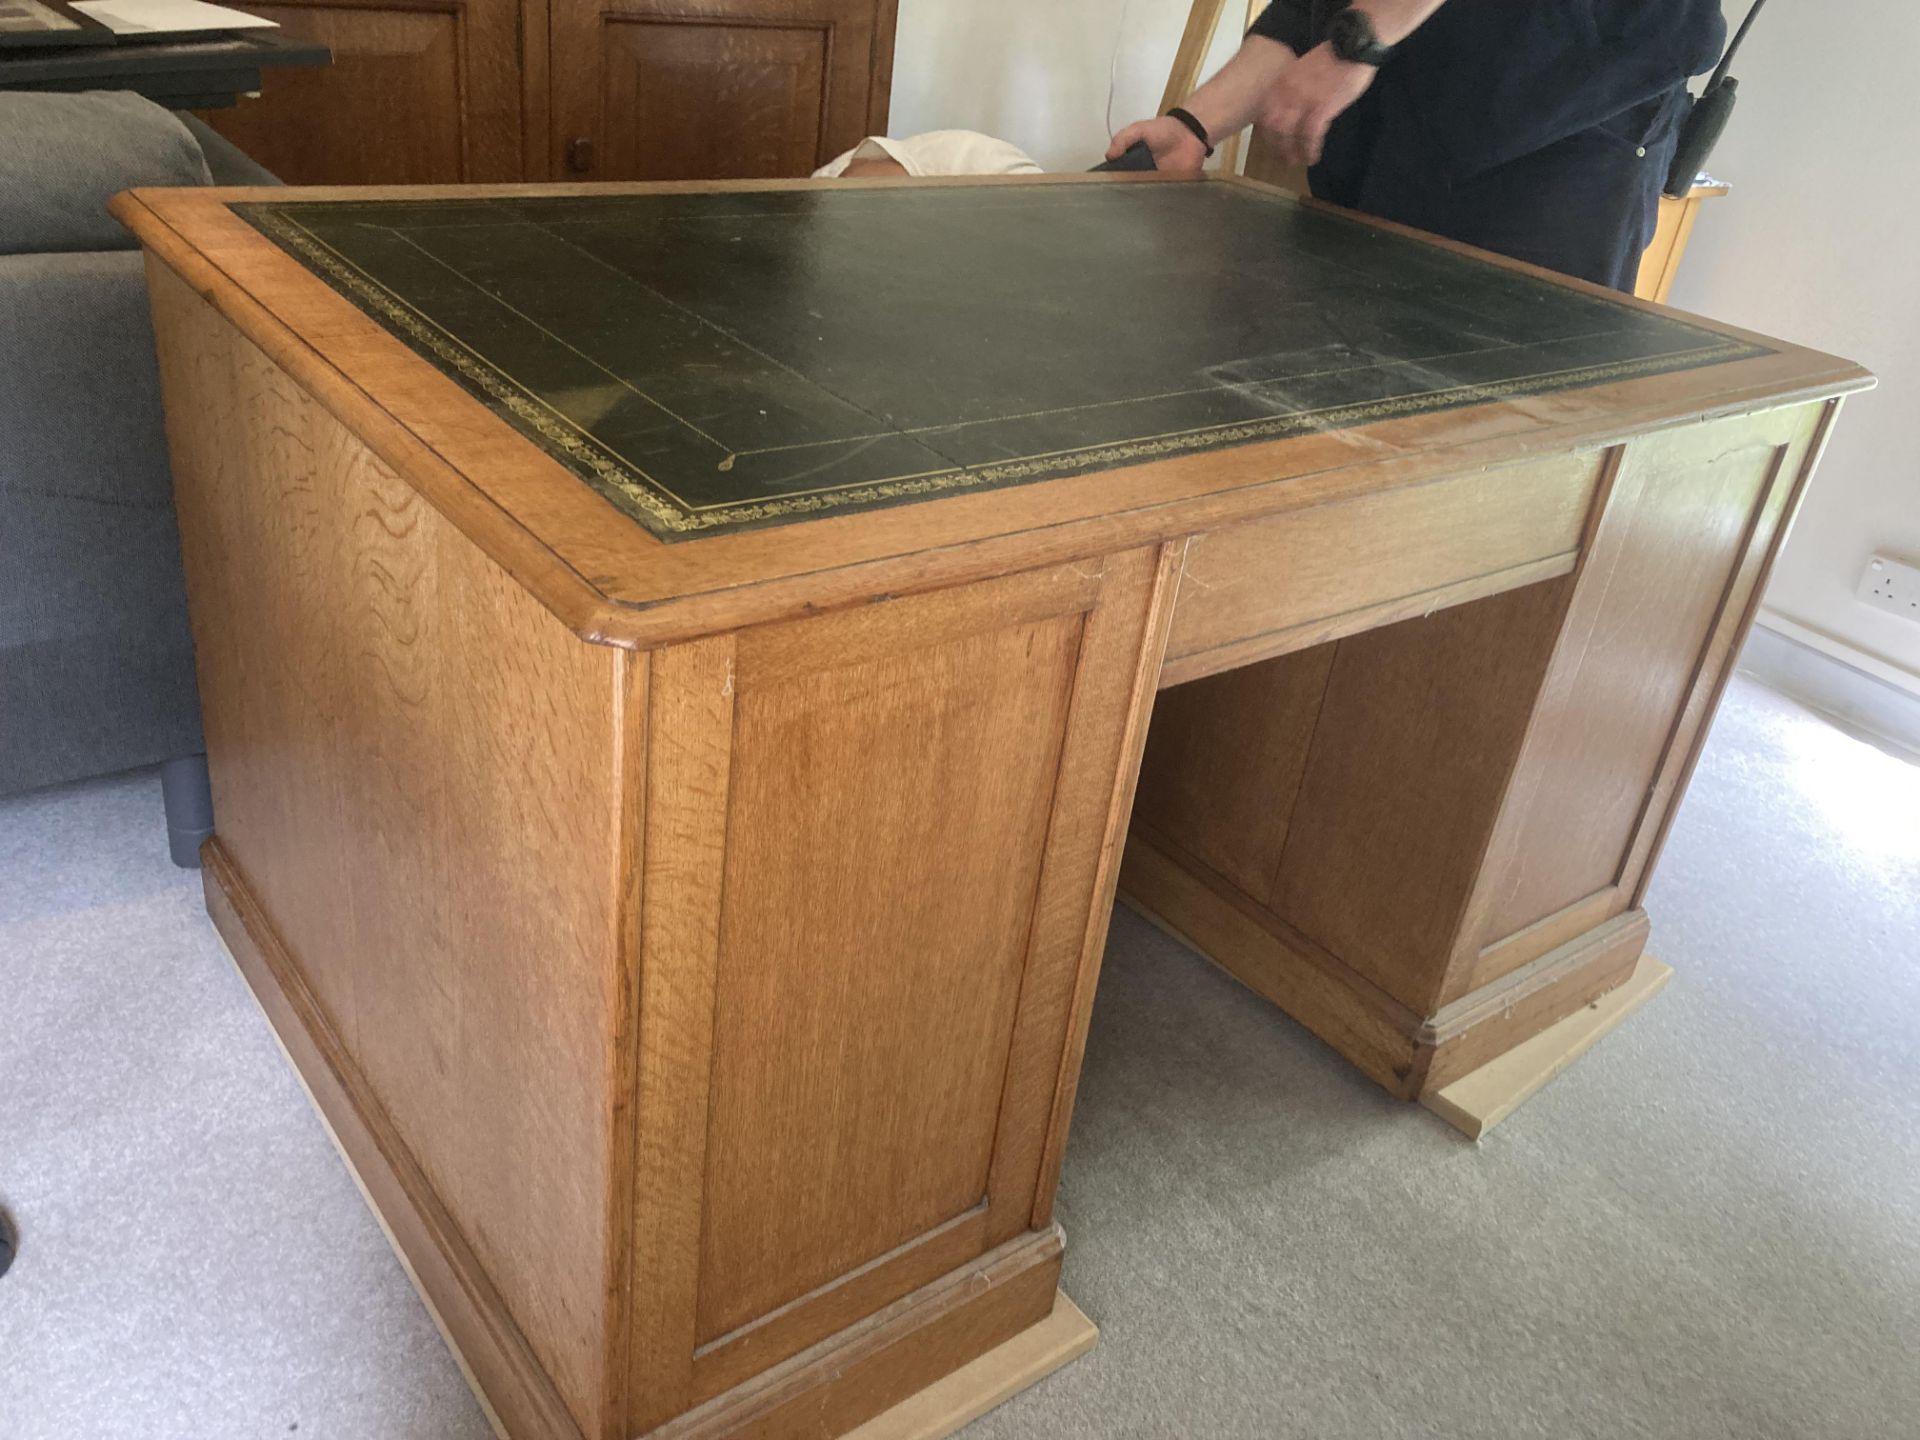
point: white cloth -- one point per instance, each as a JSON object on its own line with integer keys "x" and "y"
{"x": 938, "y": 152}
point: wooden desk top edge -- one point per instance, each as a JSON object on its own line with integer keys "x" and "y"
{"x": 611, "y": 582}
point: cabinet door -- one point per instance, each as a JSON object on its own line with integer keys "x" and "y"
{"x": 419, "y": 92}
{"x": 715, "y": 89}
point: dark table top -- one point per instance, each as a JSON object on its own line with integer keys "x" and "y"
{"x": 713, "y": 361}
{"x": 182, "y": 75}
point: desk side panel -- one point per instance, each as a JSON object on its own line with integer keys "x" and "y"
{"x": 1662, "y": 599}
{"x": 414, "y": 769}
{"x": 1224, "y": 761}
{"x": 1410, "y": 757}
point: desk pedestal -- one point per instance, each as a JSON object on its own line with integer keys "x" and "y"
{"x": 1429, "y": 841}
{"x": 704, "y": 1022}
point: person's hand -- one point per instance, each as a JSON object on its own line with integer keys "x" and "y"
{"x": 1176, "y": 149}
{"x": 1309, "y": 96}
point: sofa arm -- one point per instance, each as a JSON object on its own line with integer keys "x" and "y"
{"x": 226, "y": 161}
{"x": 66, "y": 155}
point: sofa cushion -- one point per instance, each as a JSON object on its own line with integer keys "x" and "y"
{"x": 65, "y": 156}
{"x": 75, "y": 708}
{"x": 96, "y": 666}
{"x": 80, "y": 413}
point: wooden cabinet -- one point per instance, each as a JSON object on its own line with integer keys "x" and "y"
{"x": 715, "y": 89}
{"x": 419, "y": 92}
{"x": 463, "y": 91}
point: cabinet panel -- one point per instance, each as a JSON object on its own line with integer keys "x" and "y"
{"x": 706, "y": 101}
{"x": 884, "y": 839}
{"x": 416, "y": 94}
{"x": 715, "y": 89}
{"x": 1691, "y": 514}
{"x": 878, "y": 871}
{"x": 1224, "y": 761}
{"x": 1410, "y": 758}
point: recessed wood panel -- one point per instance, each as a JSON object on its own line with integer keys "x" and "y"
{"x": 1224, "y": 760}
{"x": 416, "y": 94}
{"x": 715, "y": 89}
{"x": 886, "y": 825}
{"x": 1653, "y": 583}
{"x": 1410, "y": 760}
{"x": 694, "y": 101}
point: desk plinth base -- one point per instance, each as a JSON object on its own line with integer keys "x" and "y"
{"x": 918, "y": 1370}
{"x": 1477, "y": 1102}
{"x": 1409, "y": 1054}
{"x": 996, "y": 1377}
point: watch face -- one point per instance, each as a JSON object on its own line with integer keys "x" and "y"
{"x": 1351, "y": 35}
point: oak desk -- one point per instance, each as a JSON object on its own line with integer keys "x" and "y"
{"x": 677, "y": 661}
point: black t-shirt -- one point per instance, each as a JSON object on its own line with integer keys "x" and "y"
{"x": 1494, "y": 80}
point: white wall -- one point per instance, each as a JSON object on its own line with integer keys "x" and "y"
{"x": 1819, "y": 243}
{"x": 1035, "y": 71}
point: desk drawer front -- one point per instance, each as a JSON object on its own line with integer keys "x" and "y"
{"x": 1305, "y": 576}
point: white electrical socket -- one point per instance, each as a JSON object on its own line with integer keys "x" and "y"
{"x": 1891, "y": 585}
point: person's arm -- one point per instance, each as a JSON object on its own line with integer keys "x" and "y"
{"x": 1308, "y": 96}
{"x": 1226, "y": 105}
{"x": 1259, "y": 85}
{"x": 1395, "y": 20}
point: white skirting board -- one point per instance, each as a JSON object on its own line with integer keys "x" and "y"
{"x": 1797, "y": 662}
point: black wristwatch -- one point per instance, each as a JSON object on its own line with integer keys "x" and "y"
{"x": 1352, "y": 37}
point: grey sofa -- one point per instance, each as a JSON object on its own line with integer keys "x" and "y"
{"x": 96, "y": 665}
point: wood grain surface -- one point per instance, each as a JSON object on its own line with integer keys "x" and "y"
{"x": 1411, "y": 756}
{"x": 925, "y": 774}
{"x": 513, "y": 1385}
{"x": 1224, "y": 761}
{"x": 1665, "y": 588}
{"x": 1464, "y": 807}
{"x": 411, "y": 764}
{"x": 1283, "y": 573}
{"x": 465, "y": 91}
{"x": 716, "y": 89}
{"x": 417, "y": 94}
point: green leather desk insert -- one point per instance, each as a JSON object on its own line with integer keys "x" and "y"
{"x": 709, "y": 362}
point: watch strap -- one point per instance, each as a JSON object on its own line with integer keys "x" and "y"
{"x": 1350, "y": 32}
{"x": 1188, "y": 119}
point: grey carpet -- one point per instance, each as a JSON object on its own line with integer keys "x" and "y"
{"x": 1709, "y": 1227}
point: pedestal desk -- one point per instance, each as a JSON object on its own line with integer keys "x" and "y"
{"x": 677, "y": 662}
